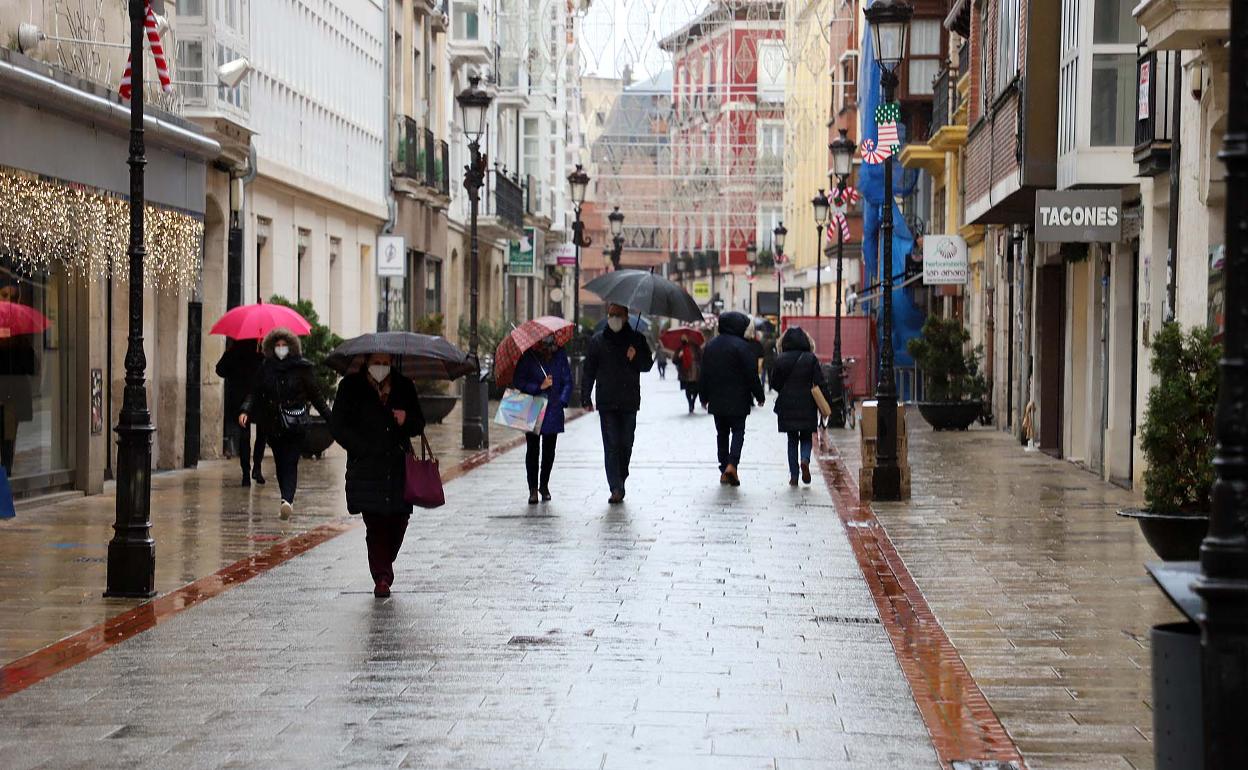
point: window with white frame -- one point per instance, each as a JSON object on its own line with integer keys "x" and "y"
{"x": 191, "y": 69}
{"x": 1113, "y": 92}
{"x": 240, "y": 95}
{"x": 769, "y": 217}
{"x": 924, "y": 58}
{"x": 1006, "y": 64}
{"x": 465, "y": 22}
{"x": 771, "y": 70}
{"x": 770, "y": 139}
{"x": 190, "y": 8}
{"x": 532, "y": 147}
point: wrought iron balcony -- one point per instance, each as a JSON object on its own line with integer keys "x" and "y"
{"x": 943, "y": 106}
{"x": 408, "y": 160}
{"x": 444, "y": 175}
{"x": 504, "y": 199}
{"x": 964, "y": 58}
{"x": 1155, "y": 76}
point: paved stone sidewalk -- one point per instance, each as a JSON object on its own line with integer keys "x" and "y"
{"x": 694, "y": 626}
{"x": 1040, "y": 586}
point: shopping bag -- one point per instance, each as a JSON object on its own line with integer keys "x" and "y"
{"x": 422, "y": 482}
{"x": 521, "y": 411}
{"x": 7, "y": 510}
{"x": 821, "y": 401}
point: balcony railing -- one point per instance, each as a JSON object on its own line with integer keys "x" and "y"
{"x": 444, "y": 175}
{"x": 506, "y": 197}
{"x": 408, "y": 160}
{"x": 1155, "y": 72}
{"x": 964, "y": 58}
{"x": 942, "y": 101}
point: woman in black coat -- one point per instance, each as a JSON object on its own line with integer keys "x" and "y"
{"x": 376, "y": 414}
{"x": 796, "y": 371}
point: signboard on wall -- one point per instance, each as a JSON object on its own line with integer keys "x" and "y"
{"x": 1146, "y": 72}
{"x": 564, "y": 254}
{"x": 944, "y": 260}
{"x": 391, "y": 256}
{"x": 701, "y": 292}
{"x": 520, "y": 259}
{"x": 1078, "y": 216}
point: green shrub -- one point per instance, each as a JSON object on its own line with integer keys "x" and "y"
{"x": 1178, "y": 437}
{"x": 317, "y": 345}
{"x": 433, "y": 324}
{"x": 950, "y": 371}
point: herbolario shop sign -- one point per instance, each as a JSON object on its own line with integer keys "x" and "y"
{"x": 1078, "y": 216}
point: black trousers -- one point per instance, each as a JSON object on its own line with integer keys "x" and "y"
{"x": 729, "y": 438}
{"x": 243, "y": 438}
{"x": 691, "y": 394}
{"x": 384, "y": 537}
{"x": 547, "y": 442}
{"x": 286, "y": 449}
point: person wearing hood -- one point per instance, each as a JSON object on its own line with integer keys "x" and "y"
{"x": 279, "y": 404}
{"x": 729, "y": 384}
{"x": 615, "y": 359}
{"x": 689, "y": 369}
{"x": 544, "y": 370}
{"x": 239, "y": 366}
{"x": 796, "y": 372}
{"x": 376, "y": 414}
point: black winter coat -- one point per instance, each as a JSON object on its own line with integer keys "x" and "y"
{"x": 375, "y": 443}
{"x": 239, "y": 367}
{"x": 619, "y": 380}
{"x": 288, "y": 382}
{"x": 730, "y": 383}
{"x": 795, "y": 372}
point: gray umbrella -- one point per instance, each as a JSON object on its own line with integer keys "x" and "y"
{"x": 417, "y": 356}
{"x": 646, "y": 292}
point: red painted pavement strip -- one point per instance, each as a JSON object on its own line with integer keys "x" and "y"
{"x": 959, "y": 719}
{"x": 72, "y": 650}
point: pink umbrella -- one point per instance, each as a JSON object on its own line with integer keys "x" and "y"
{"x": 17, "y": 319}
{"x": 250, "y": 322}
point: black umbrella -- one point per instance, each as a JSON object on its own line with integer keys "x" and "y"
{"x": 417, "y": 356}
{"x": 646, "y": 292}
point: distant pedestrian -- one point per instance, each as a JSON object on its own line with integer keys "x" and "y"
{"x": 239, "y": 367}
{"x": 769, "y": 356}
{"x": 660, "y": 358}
{"x": 376, "y": 414}
{"x": 689, "y": 369}
{"x": 279, "y": 404}
{"x": 544, "y": 371}
{"x": 797, "y": 371}
{"x": 615, "y": 360}
{"x": 729, "y": 384}
{"x": 754, "y": 338}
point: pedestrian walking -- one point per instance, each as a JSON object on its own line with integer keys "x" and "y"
{"x": 689, "y": 369}
{"x": 796, "y": 373}
{"x": 279, "y": 404}
{"x": 376, "y": 414}
{"x": 660, "y": 358}
{"x": 616, "y": 358}
{"x": 729, "y": 384}
{"x": 239, "y": 367}
{"x": 769, "y": 356}
{"x": 544, "y": 371}
{"x": 754, "y": 338}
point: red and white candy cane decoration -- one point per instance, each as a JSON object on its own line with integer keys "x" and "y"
{"x": 158, "y": 53}
{"x": 841, "y": 222}
{"x": 870, "y": 155}
{"x": 847, "y": 197}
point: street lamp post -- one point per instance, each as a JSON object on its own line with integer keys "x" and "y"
{"x": 578, "y": 184}
{"x": 617, "y": 236}
{"x": 751, "y": 259}
{"x": 132, "y": 551}
{"x": 842, "y": 149}
{"x": 890, "y": 25}
{"x": 778, "y": 235}
{"x": 1223, "y": 582}
{"x": 821, "y": 205}
{"x": 474, "y": 102}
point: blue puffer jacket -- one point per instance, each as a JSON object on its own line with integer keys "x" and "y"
{"x": 528, "y": 379}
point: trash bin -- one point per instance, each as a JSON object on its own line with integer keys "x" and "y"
{"x": 1178, "y": 733}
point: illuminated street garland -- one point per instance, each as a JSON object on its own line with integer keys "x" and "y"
{"x": 87, "y": 230}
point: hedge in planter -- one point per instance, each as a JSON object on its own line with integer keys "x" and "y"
{"x": 953, "y": 385}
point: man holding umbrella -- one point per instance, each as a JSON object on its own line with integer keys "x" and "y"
{"x": 615, "y": 360}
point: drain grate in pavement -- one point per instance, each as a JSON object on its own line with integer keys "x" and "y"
{"x": 850, "y": 619}
{"x": 984, "y": 764}
{"x": 532, "y": 641}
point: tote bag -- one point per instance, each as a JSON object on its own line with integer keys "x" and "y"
{"x": 521, "y": 411}
{"x": 422, "y": 483}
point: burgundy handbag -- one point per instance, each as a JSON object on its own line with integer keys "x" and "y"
{"x": 422, "y": 483}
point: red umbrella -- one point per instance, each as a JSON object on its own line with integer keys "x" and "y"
{"x": 523, "y": 337}
{"x": 251, "y": 322}
{"x": 670, "y": 339}
{"x": 17, "y": 319}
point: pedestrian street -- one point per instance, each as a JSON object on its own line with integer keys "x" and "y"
{"x": 695, "y": 625}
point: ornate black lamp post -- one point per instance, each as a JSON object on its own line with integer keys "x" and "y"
{"x": 474, "y": 103}
{"x": 842, "y": 149}
{"x": 132, "y": 551}
{"x": 890, "y": 25}
{"x": 821, "y": 205}
{"x": 778, "y": 235}
{"x": 578, "y": 184}
{"x": 1223, "y": 583}
{"x": 617, "y": 236}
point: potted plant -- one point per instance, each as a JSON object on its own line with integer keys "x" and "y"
{"x": 1178, "y": 442}
{"x": 435, "y": 402}
{"x": 953, "y": 384}
{"x": 318, "y": 344}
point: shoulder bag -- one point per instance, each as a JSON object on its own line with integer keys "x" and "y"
{"x": 422, "y": 481}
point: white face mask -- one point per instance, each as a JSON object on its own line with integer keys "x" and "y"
{"x": 616, "y": 323}
{"x": 378, "y": 372}
{"x": 281, "y": 351}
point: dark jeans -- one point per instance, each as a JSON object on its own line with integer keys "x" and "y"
{"x": 243, "y": 438}
{"x": 729, "y": 454}
{"x": 662, "y": 370}
{"x": 805, "y": 438}
{"x": 286, "y": 448}
{"x": 547, "y": 442}
{"x": 618, "y": 428}
{"x": 384, "y": 537}
{"x": 691, "y": 394}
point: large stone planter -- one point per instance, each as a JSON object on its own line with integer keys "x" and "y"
{"x": 950, "y": 415}
{"x": 436, "y": 406}
{"x": 1173, "y": 536}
